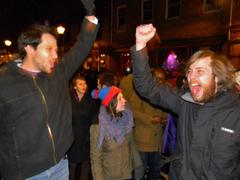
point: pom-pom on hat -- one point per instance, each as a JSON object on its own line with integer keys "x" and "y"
{"x": 105, "y": 94}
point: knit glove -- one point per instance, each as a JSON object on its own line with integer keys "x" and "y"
{"x": 89, "y": 6}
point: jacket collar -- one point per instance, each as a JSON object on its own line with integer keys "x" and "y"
{"x": 15, "y": 65}
{"x": 188, "y": 97}
{"x": 223, "y": 98}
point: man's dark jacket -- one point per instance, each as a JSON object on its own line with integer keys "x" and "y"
{"x": 35, "y": 113}
{"x": 208, "y": 136}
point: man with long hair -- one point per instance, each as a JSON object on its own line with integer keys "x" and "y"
{"x": 208, "y": 130}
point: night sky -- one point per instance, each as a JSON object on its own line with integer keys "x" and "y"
{"x": 17, "y": 14}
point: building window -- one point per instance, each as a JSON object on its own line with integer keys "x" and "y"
{"x": 173, "y": 9}
{"x": 210, "y": 6}
{"x": 147, "y": 10}
{"x": 121, "y": 18}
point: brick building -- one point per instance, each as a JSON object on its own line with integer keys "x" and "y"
{"x": 184, "y": 26}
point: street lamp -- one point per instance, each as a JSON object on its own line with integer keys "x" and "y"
{"x": 7, "y": 43}
{"x": 61, "y": 30}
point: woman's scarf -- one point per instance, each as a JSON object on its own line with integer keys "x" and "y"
{"x": 116, "y": 127}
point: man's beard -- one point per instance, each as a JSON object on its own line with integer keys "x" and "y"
{"x": 209, "y": 92}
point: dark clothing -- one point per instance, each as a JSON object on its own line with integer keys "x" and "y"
{"x": 84, "y": 112}
{"x": 91, "y": 79}
{"x": 170, "y": 136}
{"x": 80, "y": 171}
{"x": 208, "y": 135}
{"x": 35, "y": 112}
{"x": 152, "y": 163}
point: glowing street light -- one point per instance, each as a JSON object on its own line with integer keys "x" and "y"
{"x": 8, "y": 43}
{"x": 60, "y": 30}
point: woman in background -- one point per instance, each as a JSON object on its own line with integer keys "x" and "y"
{"x": 113, "y": 152}
{"x": 83, "y": 113}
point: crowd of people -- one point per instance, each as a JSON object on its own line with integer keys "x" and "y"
{"x": 56, "y": 124}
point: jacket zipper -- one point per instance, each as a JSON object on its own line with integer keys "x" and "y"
{"x": 47, "y": 120}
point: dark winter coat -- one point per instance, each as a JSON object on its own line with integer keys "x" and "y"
{"x": 84, "y": 112}
{"x": 35, "y": 112}
{"x": 208, "y": 135}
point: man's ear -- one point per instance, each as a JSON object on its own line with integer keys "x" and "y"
{"x": 29, "y": 49}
